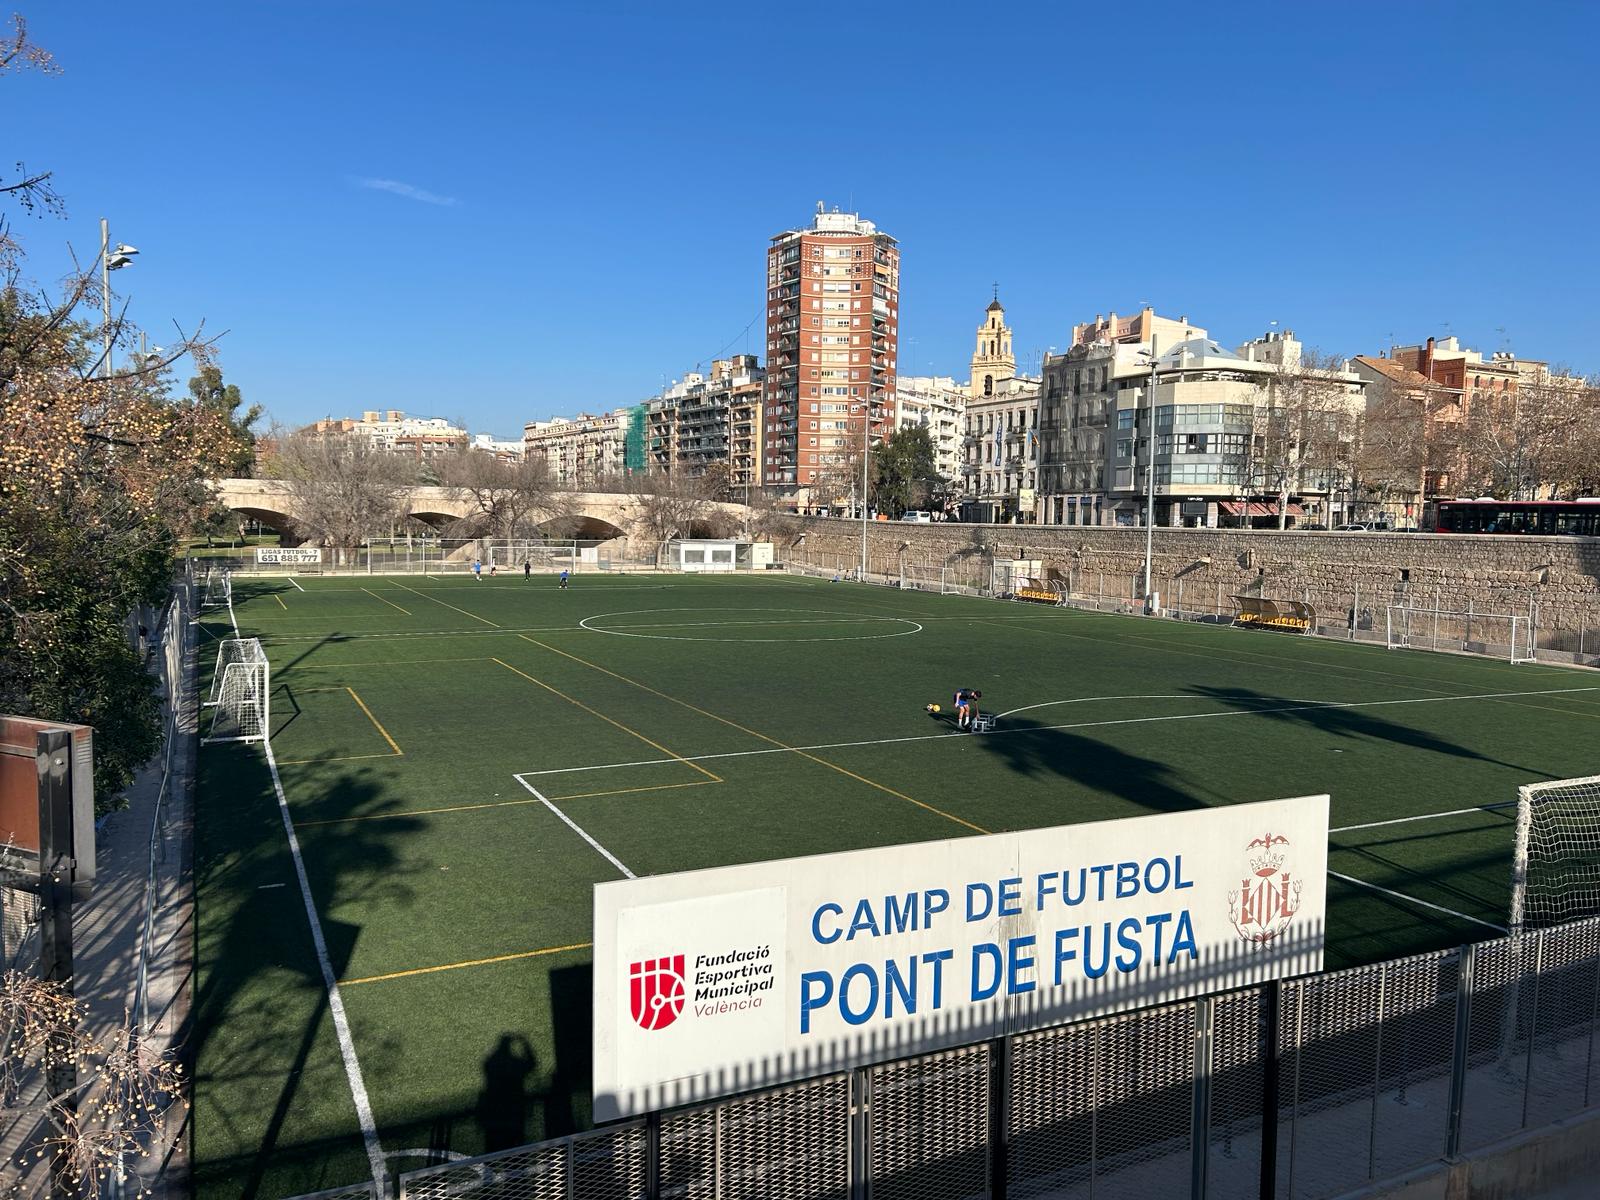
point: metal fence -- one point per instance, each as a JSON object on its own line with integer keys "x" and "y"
{"x": 451, "y": 556}
{"x": 1301, "y": 1089}
{"x": 1453, "y": 621}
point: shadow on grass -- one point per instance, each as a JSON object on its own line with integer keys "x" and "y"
{"x": 1034, "y": 749}
{"x": 515, "y": 1105}
{"x": 1344, "y": 722}
{"x": 261, "y": 1041}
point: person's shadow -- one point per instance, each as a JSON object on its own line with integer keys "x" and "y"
{"x": 503, "y": 1103}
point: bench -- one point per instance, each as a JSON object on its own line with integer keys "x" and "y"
{"x": 1261, "y": 612}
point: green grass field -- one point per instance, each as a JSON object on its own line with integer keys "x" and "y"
{"x": 462, "y": 761}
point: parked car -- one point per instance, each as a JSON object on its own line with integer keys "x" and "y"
{"x": 918, "y": 516}
{"x": 1350, "y": 528}
{"x": 1312, "y": 528}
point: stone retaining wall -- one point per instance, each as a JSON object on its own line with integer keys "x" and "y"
{"x": 1557, "y": 579}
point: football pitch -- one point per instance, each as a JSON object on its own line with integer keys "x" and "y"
{"x": 461, "y": 761}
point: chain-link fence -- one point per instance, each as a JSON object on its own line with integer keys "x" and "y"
{"x": 1438, "y": 617}
{"x": 1303, "y": 1089}
{"x": 450, "y": 557}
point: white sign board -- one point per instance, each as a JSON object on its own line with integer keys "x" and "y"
{"x": 717, "y": 981}
{"x": 283, "y": 555}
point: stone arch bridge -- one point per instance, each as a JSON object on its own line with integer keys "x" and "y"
{"x": 599, "y": 515}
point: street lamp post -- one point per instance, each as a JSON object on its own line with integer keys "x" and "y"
{"x": 1150, "y": 477}
{"x": 110, "y": 260}
{"x": 866, "y": 430}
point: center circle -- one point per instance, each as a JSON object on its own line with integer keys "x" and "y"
{"x": 686, "y": 629}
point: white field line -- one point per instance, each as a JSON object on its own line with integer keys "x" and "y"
{"x": 929, "y": 737}
{"x": 1413, "y": 900}
{"x": 1454, "y": 812}
{"x": 576, "y": 828}
{"x": 575, "y": 627}
{"x": 296, "y": 582}
{"x": 341, "y": 1025}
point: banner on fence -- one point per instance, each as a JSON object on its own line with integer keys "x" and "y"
{"x": 283, "y": 556}
{"x": 716, "y": 981}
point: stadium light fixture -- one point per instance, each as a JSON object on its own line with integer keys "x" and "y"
{"x": 112, "y": 258}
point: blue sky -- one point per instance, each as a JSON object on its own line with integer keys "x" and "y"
{"x": 500, "y": 211}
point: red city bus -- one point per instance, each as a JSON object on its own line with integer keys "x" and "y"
{"x": 1559, "y": 518}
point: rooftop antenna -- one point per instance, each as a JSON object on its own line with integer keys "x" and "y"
{"x": 1505, "y": 342}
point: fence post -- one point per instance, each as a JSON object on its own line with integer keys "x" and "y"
{"x": 999, "y": 1116}
{"x": 860, "y": 1131}
{"x": 1218, "y": 611}
{"x": 1271, "y": 1020}
{"x": 1533, "y": 1022}
{"x": 1458, "y": 1054}
{"x": 652, "y": 1155}
{"x": 1355, "y": 612}
{"x": 1200, "y": 1101}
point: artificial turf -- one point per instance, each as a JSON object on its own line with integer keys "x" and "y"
{"x": 684, "y": 722}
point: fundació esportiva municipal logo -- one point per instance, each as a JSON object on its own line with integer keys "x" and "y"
{"x": 656, "y": 991}
{"x": 1269, "y": 896}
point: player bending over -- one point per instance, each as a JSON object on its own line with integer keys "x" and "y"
{"x": 966, "y": 706}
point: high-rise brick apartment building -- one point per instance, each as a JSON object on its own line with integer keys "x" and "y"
{"x": 833, "y": 333}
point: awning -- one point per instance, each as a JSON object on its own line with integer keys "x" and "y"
{"x": 1242, "y": 508}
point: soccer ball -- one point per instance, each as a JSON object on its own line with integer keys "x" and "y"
{"x": 933, "y": 708}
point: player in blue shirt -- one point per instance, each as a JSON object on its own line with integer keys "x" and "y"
{"x": 564, "y": 574}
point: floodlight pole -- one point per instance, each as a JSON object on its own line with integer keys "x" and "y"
{"x": 105, "y": 293}
{"x": 1150, "y": 473}
{"x": 866, "y": 428}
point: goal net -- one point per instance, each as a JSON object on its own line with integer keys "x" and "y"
{"x": 1495, "y": 635}
{"x": 218, "y": 588}
{"x": 1555, "y": 867}
{"x": 239, "y": 691}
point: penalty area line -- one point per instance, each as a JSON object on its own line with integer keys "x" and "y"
{"x": 576, "y": 828}
{"x": 1413, "y": 900}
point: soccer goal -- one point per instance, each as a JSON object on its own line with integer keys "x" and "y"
{"x": 1555, "y": 866}
{"x": 239, "y": 691}
{"x": 218, "y": 589}
{"x": 1496, "y": 635}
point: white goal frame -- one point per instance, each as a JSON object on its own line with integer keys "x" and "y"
{"x": 240, "y": 697}
{"x": 1510, "y": 634}
{"x": 1558, "y": 831}
{"x": 218, "y": 589}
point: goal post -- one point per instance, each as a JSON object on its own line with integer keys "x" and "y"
{"x": 1555, "y": 862}
{"x": 1494, "y": 635}
{"x": 218, "y": 588}
{"x": 240, "y": 691}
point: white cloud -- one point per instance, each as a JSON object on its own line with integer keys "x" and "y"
{"x": 409, "y": 191}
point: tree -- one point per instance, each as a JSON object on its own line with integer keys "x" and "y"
{"x": 1303, "y": 434}
{"x": 663, "y": 507}
{"x": 343, "y": 488}
{"x": 903, "y": 472}
{"x": 509, "y": 498}
{"x": 1517, "y": 443}
{"x": 225, "y": 400}
{"x": 98, "y": 476}
{"x": 85, "y": 1133}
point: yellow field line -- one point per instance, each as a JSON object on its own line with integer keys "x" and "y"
{"x": 608, "y": 720}
{"x": 393, "y": 745}
{"x": 390, "y": 603}
{"x": 455, "y": 808}
{"x": 462, "y": 611}
{"x": 763, "y": 737}
{"x": 279, "y": 599}
{"x": 471, "y": 962}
